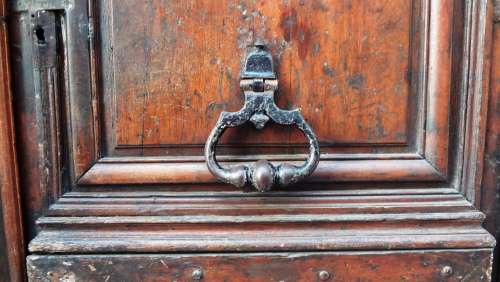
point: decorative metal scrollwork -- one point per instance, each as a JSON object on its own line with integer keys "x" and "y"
{"x": 259, "y": 83}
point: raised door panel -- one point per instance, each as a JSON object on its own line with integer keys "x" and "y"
{"x": 176, "y": 70}
{"x": 12, "y": 246}
{"x": 373, "y": 80}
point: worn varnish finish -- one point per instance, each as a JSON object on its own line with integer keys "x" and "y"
{"x": 477, "y": 100}
{"x": 349, "y": 107}
{"x": 12, "y": 247}
{"x": 113, "y": 110}
{"x": 184, "y": 62}
{"x": 146, "y": 117}
{"x": 348, "y": 266}
{"x": 490, "y": 203}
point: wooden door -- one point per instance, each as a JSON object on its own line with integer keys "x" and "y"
{"x": 12, "y": 246}
{"x": 115, "y": 100}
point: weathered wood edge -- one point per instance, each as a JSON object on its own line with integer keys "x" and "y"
{"x": 9, "y": 178}
{"x": 372, "y": 206}
{"x": 490, "y": 184}
{"x": 259, "y": 238}
{"x": 422, "y": 227}
{"x": 197, "y": 172}
{"x": 479, "y": 26}
{"x": 429, "y": 265}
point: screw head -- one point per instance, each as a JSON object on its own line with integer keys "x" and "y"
{"x": 197, "y": 274}
{"x": 446, "y": 271}
{"x": 323, "y": 275}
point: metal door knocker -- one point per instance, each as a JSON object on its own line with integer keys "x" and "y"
{"x": 259, "y": 82}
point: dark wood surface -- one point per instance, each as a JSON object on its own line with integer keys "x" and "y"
{"x": 459, "y": 265}
{"x": 12, "y": 247}
{"x": 114, "y": 102}
{"x": 490, "y": 204}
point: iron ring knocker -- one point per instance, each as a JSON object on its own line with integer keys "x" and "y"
{"x": 259, "y": 82}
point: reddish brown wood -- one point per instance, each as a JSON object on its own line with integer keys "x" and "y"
{"x": 154, "y": 124}
{"x": 438, "y": 83}
{"x": 113, "y": 164}
{"x": 326, "y": 204}
{"x": 12, "y": 226}
{"x": 340, "y": 171}
{"x": 175, "y": 74}
{"x": 81, "y": 101}
{"x": 490, "y": 186}
{"x": 461, "y": 265}
{"x": 197, "y": 222}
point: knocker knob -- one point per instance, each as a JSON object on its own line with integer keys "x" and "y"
{"x": 263, "y": 176}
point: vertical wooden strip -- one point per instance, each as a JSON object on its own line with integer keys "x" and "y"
{"x": 9, "y": 181}
{"x": 477, "y": 99}
{"x": 438, "y": 83}
{"x": 27, "y": 126}
{"x": 490, "y": 186}
{"x": 79, "y": 93}
{"x": 44, "y": 69}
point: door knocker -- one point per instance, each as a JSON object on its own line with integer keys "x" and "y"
{"x": 259, "y": 82}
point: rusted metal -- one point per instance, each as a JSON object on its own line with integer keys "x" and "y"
{"x": 259, "y": 82}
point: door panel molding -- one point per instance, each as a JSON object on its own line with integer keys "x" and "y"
{"x": 11, "y": 224}
{"x": 337, "y": 171}
{"x": 431, "y": 81}
{"x": 144, "y": 202}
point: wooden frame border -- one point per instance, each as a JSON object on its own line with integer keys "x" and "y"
{"x": 438, "y": 208}
{"x": 476, "y": 83}
{"x": 428, "y": 163}
{"x": 9, "y": 178}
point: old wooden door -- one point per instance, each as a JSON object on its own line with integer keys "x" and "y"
{"x": 115, "y": 100}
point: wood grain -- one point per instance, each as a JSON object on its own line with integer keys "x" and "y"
{"x": 338, "y": 171}
{"x": 379, "y": 71}
{"x": 100, "y": 204}
{"x": 141, "y": 85}
{"x": 490, "y": 185}
{"x": 477, "y": 100}
{"x": 466, "y": 265}
{"x": 438, "y": 83}
{"x": 12, "y": 225}
{"x": 341, "y": 220}
{"x": 180, "y": 68}
{"x": 256, "y": 233}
